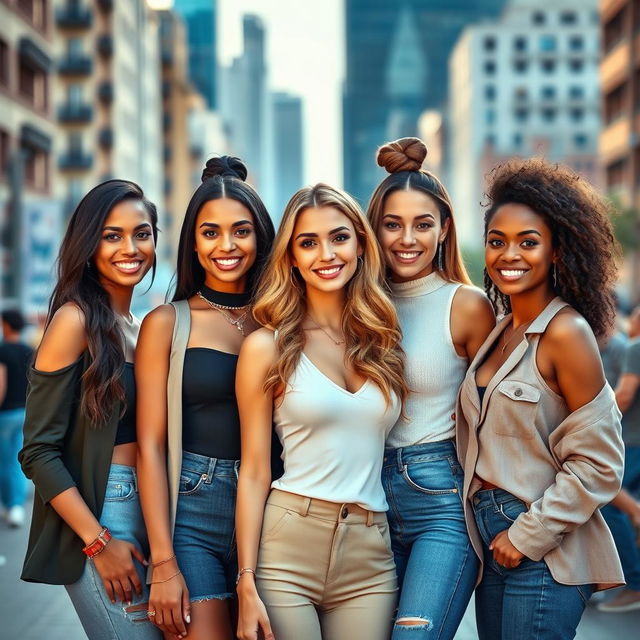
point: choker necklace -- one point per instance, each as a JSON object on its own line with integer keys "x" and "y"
{"x": 224, "y": 300}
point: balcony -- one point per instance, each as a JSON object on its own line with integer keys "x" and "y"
{"x": 104, "y": 45}
{"x": 75, "y": 113}
{"x": 74, "y": 16}
{"x": 75, "y": 160}
{"x": 75, "y": 65}
{"x": 105, "y": 92}
{"x": 105, "y": 137}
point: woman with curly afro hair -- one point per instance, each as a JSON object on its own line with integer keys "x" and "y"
{"x": 538, "y": 429}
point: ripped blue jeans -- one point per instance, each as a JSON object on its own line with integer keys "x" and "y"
{"x": 204, "y": 535}
{"x": 436, "y": 564}
{"x": 101, "y": 619}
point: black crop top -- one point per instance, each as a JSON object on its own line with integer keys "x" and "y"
{"x": 210, "y": 420}
{"x": 127, "y": 425}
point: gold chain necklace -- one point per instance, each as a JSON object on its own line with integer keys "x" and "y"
{"x": 326, "y": 333}
{"x": 520, "y": 330}
{"x": 238, "y": 322}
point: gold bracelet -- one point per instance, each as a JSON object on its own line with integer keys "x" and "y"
{"x": 169, "y": 559}
{"x": 167, "y": 580}
{"x": 242, "y": 572}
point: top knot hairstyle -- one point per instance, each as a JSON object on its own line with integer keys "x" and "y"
{"x": 578, "y": 217}
{"x": 403, "y": 159}
{"x": 405, "y": 154}
{"x": 222, "y": 177}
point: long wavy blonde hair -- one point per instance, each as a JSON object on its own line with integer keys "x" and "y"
{"x": 369, "y": 320}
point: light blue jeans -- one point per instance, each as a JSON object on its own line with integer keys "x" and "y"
{"x": 437, "y": 567}
{"x": 523, "y": 603}
{"x": 13, "y": 484}
{"x": 101, "y": 619}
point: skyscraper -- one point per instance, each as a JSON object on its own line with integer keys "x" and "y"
{"x": 396, "y": 67}
{"x": 200, "y": 18}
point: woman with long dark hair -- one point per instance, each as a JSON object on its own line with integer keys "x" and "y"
{"x": 87, "y": 530}
{"x": 189, "y": 429}
{"x": 538, "y": 428}
{"x": 444, "y": 321}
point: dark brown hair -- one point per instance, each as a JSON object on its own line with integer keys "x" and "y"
{"x": 578, "y": 217}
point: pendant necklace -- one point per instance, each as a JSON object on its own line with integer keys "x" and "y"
{"x": 326, "y": 333}
{"x": 223, "y": 302}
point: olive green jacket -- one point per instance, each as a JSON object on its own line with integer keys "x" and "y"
{"x": 62, "y": 449}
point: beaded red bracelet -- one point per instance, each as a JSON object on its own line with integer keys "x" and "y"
{"x": 98, "y": 545}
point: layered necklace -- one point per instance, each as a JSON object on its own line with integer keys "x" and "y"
{"x": 225, "y": 302}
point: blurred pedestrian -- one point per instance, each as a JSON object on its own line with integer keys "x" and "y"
{"x": 623, "y": 515}
{"x": 444, "y": 321}
{"x": 87, "y": 530}
{"x": 15, "y": 357}
{"x": 538, "y": 427}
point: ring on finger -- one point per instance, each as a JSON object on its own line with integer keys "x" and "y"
{"x": 150, "y": 614}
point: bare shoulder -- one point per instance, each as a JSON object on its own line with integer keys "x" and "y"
{"x": 159, "y": 322}
{"x": 259, "y": 347}
{"x": 469, "y": 300}
{"x": 64, "y": 340}
{"x": 569, "y": 331}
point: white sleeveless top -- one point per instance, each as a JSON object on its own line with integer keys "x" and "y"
{"x": 333, "y": 440}
{"x": 433, "y": 370}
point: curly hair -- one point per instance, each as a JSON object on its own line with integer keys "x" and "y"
{"x": 578, "y": 217}
{"x": 369, "y": 319}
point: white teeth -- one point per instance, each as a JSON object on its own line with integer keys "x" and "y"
{"x": 128, "y": 265}
{"x": 408, "y": 255}
{"x": 513, "y": 273}
{"x": 328, "y": 272}
{"x": 227, "y": 262}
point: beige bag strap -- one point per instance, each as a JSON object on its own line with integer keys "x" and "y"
{"x": 181, "y": 330}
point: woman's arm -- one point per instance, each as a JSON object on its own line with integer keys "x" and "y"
{"x": 472, "y": 320}
{"x": 41, "y": 457}
{"x": 257, "y": 355}
{"x": 169, "y": 596}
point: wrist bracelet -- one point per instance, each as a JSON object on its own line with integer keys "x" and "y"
{"x": 161, "y": 562}
{"x": 167, "y": 580}
{"x": 242, "y": 572}
{"x": 98, "y": 545}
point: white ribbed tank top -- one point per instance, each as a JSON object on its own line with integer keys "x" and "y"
{"x": 333, "y": 440}
{"x": 434, "y": 371}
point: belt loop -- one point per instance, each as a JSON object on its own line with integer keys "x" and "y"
{"x": 369, "y": 518}
{"x": 212, "y": 468}
{"x": 399, "y": 459}
{"x": 306, "y": 503}
{"x": 496, "y": 506}
{"x": 135, "y": 479}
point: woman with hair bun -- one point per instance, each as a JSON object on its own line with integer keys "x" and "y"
{"x": 189, "y": 430}
{"x": 327, "y": 369}
{"x": 444, "y": 321}
{"x": 538, "y": 427}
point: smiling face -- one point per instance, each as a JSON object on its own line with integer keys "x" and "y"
{"x": 519, "y": 250}
{"x": 126, "y": 249}
{"x": 225, "y": 243}
{"x": 409, "y": 234}
{"x": 325, "y": 249}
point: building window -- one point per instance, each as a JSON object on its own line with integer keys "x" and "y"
{"x": 490, "y": 92}
{"x": 520, "y": 66}
{"x": 35, "y": 11}
{"x": 547, "y": 43}
{"x": 4, "y": 63}
{"x": 538, "y": 18}
{"x": 548, "y": 93}
{"x": 521, "y": 94}
{"x": 75, "y": 48}
{"x": 568, "y": 17}
{"x": 32, "y": 85}
{"x": 521, "y": 115}
{"x": 548, "y": 66}
{"x": 576, "y": 66}
{"x": 490, "y": 116}
{"x": 616, "y": 174}
{"x": 580, "y": 140}
{"x": 74, "y": 95}
{"x": 576, "y": 115}
{"x": 548, "y": 114}
{"x": 489, "y": 43}
{"x": 614, "y": 103}
{"x": 517, "y": 140}
{"x": 614, "y": 30}
{"x": 489, "y": 67}
{"x": 576, "y": 43}
{"x": 520, "y": 43}
{"x": 576, "y": 92}
{"x": 4, "y": 153}
{"x": 36, "y": 168}
{"x": 74, "y": 141}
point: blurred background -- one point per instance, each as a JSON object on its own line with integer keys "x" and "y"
{"x": 303, "y": 91}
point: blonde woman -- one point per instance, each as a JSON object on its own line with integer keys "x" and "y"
{"x": 315, "y": 560}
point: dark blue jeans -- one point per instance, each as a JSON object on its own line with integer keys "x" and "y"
{"x": 620, "y": 525}
{"x": 13, "y": 484}
{"x": 436, "y": 564}
{"x": 524, "y": 603}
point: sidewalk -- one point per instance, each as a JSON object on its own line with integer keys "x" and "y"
{"x": 35, "y": 611}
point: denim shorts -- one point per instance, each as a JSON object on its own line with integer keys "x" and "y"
{"x": 204, "y": 535}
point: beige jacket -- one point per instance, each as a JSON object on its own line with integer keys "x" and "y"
{"x": 565, "y": 466}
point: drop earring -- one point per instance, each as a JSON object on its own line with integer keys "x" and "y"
{"x": 439, "y": 257}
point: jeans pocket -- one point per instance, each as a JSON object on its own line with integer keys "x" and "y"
{"x": 119, "y": 490}
{"x": 511, "y": 509}
{"x": 433, "y": 477}
{"x": 585, "y": 591}
{"x": 190, "y": 481}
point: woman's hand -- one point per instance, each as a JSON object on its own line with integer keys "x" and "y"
{"x": 169, "y": 598}
{"x": 252, "y": 614}
{"x": 117, "y": 570}
{"x": 504, "y": 553}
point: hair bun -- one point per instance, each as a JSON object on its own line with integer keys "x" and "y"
{"x": 224, "y": 166}
{"x": 405, "y": 154}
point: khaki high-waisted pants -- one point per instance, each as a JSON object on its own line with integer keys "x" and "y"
{"x": 325, "y": 570}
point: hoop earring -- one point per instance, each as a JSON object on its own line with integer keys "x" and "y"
{"x": 555, "y": 276}
{"x": 440, "y": 257}
{"x": 360, "y": 262}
